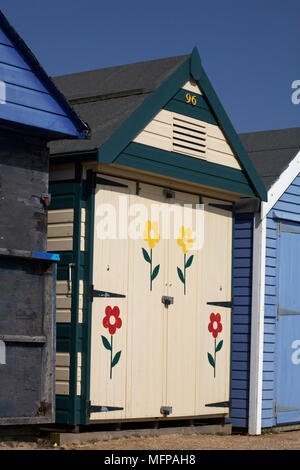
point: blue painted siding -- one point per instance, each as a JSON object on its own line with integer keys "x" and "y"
{"x": 241, "y": 319}
{"x": 28, "y": 102}
{"x": 287, "y": 207}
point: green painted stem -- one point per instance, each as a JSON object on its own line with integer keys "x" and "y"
{"x": 150, "y": 268}
{"x": 215, "y": 358}
{"x": 184, "y": 261}
{"x": 111, "y": 355}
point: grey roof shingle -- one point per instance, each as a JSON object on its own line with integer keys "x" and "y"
{"x": 271, "y": 151}
{"x": 105, "y": 98}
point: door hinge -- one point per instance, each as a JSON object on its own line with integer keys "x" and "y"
{"x": 100, "y": 408}
{"x": 220, "y": 404}
{"x": 221, "y": 304}
{"x": 103, "y": 294}
{"x": 282, "y": 409}
{"x": 279, "y": 228}
{"x": 105, "y": 182}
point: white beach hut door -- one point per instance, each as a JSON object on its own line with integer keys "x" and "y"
{"x": 182, "y": 315}
{"x": 214, "y": 284}
{"x": 146, "y": 320}
{"x": 110, "y": 300}
{"x": 155, "y": 346}
{"x": 287, "y": 350}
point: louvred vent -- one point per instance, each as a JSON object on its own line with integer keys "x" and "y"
{"x": 188, "y": 137}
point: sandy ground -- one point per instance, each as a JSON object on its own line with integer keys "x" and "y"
{"x": 270, "y": 441}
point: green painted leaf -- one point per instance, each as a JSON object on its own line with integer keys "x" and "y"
{"x": 106, "y": 343}
{"x": 219, "y": 346}
{"x": 116, "y": 359}
{"x": 155, "y": 272}
{"x": 146, "y": 256}
{"x": 189, "y": 261}
{"x": 180, "y": 274}
{"x": 211, "y": 360}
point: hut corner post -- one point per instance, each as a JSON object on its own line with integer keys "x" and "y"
{"x": 257, "y": 323}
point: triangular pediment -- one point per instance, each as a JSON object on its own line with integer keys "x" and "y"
{"x": 188, "y": 126}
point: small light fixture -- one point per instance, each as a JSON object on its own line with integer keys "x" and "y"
{"x": 46, "y": 199}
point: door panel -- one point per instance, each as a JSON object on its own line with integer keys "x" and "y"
{"x": 147, "y": 322}
{"x": 288, "y": 326}
{"x": 213, "y": 373}
{"x": 111, "y": 255}
{"x": 183, "y": 333}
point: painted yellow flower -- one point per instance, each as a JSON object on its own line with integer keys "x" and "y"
{"x": 185, "y": 239}
{"x": 151, "y": 234}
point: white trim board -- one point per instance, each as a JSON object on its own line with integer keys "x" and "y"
{"x": 281, "y": 185}
{"x": 257, "y": 324}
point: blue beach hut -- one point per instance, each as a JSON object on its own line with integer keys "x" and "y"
{"x": 266, "y": 313}
{"x": 32, "y": 113}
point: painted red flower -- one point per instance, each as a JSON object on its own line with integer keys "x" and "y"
{"x": 112, "y": 320}
{"x": 215, "y": 325}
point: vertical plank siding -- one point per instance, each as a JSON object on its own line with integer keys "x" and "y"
{"x": 242, "y": 285}
{"x": 286, "y": 208}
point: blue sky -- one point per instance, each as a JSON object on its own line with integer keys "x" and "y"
{"x": 250, "y": 49}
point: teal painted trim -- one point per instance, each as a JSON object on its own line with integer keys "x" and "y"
{"x": 144, "y": 114}
{"x": 63, "y": 406}
{"x": 63, "y": 330}
{"x": 185, "y": 162}
{"x": 191, "y": 111}
{"x": 200, "y": 111}
{"x": 63, "y": 187}
{"x": 224, "y": 122}
{"x": 200, "y": 100}
{"x": 63, "y": 345}
{"x": 75, "y": 334}
{"x": 184, "y": 168}
{"x": 87, "y": 304}
{"x": 61, "y": 202}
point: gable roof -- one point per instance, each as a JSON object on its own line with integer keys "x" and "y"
{"x": 130, "y": 97}
{"x": 31, "y": 98}
{"x": 115, "y": 92}
{"x": 272, "y": 151}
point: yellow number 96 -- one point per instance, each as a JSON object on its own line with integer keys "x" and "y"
{"x": 191, "y": 99}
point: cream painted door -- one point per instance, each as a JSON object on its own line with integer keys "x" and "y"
{"x": 145, "y": 354}
{"x": 214, "y": 284}
{"x": 146, "y": 320}
{"x": 183, "y": 328}
{"x": 110, "y": 313}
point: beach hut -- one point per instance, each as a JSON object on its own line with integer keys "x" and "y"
{"x": 32, "y": 112}
{"x": 143, "y": 315}
{"x": 266, "y": 313}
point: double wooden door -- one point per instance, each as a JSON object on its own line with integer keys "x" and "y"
{"x": 161, "y": 313}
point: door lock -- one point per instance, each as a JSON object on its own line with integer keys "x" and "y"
{"x": 167, "y": 300}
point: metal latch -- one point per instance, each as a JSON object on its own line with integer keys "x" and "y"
{"x": 70, "y": 266}
{"x": 166, "y": 410}
{"x": 167, "y": 300}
